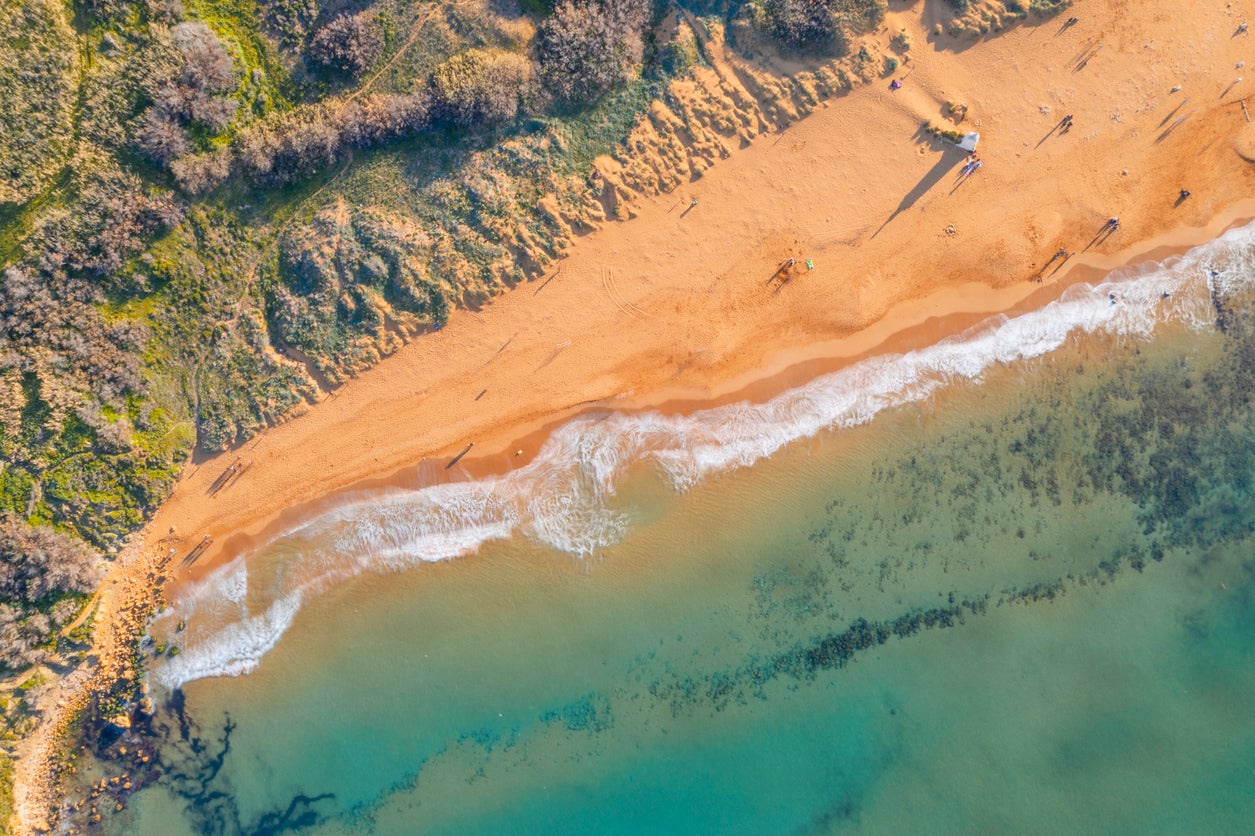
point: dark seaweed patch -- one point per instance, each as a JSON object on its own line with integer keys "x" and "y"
{"x": 591, "y": 712}
{"x": 192, "y": 763}
{"x": 1175, "y": 438}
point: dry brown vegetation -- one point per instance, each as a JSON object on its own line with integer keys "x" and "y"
{"x": 978, "y": 17}
{"x": 481, "y": 86}
{"x": 41, "y": 572}
{"x": 826, "y": 24}
{"x": 350, "y": 43}
{"x": 37, "y": 88}
{"x": 587, "y": 46}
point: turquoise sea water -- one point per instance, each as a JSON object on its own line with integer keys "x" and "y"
{"x": 1007, "y": 585}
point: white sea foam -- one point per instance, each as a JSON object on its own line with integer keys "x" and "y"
{"x": 562, "y": 498}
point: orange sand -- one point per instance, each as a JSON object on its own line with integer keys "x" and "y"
{"x": 676, "y": 307}
{"x": 676, "y": 304}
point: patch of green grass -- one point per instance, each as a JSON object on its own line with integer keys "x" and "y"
{"x": 6, "y": 792}
{"x": 238, "y": 23}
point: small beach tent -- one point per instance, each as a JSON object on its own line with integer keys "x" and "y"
{"x": 968, "y": 143}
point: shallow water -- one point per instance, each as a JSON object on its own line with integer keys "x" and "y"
{"x": 1023, "y": 603}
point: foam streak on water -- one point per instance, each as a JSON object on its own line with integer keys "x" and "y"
{"x": 562, "y": 498}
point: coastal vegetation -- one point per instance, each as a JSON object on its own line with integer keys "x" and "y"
{"x": 214, "y": 212}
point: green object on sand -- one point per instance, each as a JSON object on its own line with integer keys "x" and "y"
{"x": 810, "y": 265}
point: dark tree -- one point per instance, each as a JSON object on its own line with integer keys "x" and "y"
{"x": 206, "y": 63}
{"x": 349, "y": 44}
{"x": 161, "y": 137}
{"x": 37, "y": 563}
{"x": 587, "y": 46}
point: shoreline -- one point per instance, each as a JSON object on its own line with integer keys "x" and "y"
{"x": 666, "y": 309}
{"x": 903, "y": 329}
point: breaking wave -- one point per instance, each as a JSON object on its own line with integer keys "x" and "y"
{"x": 563, "y": 498}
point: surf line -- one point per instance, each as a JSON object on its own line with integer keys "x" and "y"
{"x": 562, "y": 498}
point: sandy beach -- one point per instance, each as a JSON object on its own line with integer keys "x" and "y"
{"x": 686, "y": 304}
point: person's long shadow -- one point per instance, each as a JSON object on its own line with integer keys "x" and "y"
{"x": 1103, "y": 235}
{"x": 1173, "y": 112}
{"x": 951, "y": 155}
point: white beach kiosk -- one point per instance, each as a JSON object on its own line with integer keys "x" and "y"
{"x": 968, "y": 143}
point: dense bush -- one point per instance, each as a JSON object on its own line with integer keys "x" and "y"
{"x": 161, "y": 137}
{"x": 64, "y": 347}
{"x": 117, "y": 215}
{"x": 282, "y": 149}
{"x": 587, "y": 46}
{"x": 38, "y": 566}
{"x": 37, "y": 563}
{"x": 802, "y": 22}
{"x": 191, "y": 87}
{"x": 345, "y": 277}
{"x": 289, "y": 146}
{"x": 200, "y": 174}
{"x": 207, "y": 64}
{"x": 164, "y": 11}
{"x": 62, "y": 364}
{"x": 374, "y": 120}
{"x": 291, "y": 19}
{"x": 481, "y": 85}
{"x": 349, "y": 44}
{"x": 822, "y": 24}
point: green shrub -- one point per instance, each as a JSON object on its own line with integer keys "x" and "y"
{"x": 344, "y": 276}
{"x": 481, "y": 86}
{"x": 291, "y": 19}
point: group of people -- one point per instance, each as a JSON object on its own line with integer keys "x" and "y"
{"x": 972, "y": 165}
